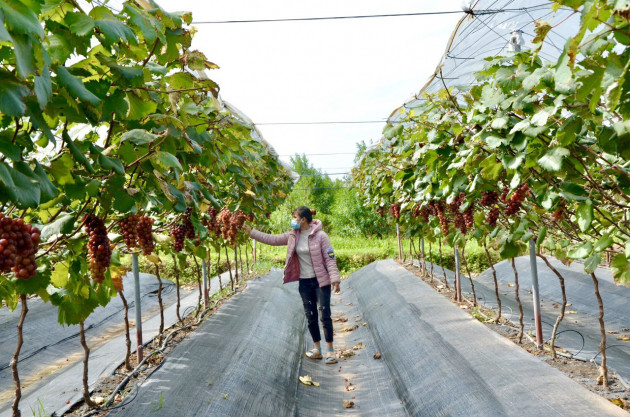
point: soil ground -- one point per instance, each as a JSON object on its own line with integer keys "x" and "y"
{"x": 585, "y": 373}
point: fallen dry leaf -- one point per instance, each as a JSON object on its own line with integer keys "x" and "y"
{"x": 510, "y": 285}
{"x": 360, "y": 345}
{"x": 358, "y": 319}
{"x": 377, "y": 355}
{"x": 625, "y": 329}
{"x": 346, "y": 353}
{"x": 623, "y": 338}
{"x": 570, "y": 312}
{"x": 351, "y": 388}
{"x": 349, "y": 329}
{"x": 307, "y": 380}
{"x": 364, "y": 324}
{"x": 612, "y": 332}
{"x": 617, "y": 401}
{"x": 341, "y": 319}
{"x": 348, "y": 304}
{"x": 348, "y": 404}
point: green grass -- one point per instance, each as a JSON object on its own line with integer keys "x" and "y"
{"x": 353, "y": 253}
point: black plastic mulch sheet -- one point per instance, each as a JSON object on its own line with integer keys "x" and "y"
{"x": 436, "y": 360}
{"x": 579, "y": 332}
{"x": 51, "y": 352}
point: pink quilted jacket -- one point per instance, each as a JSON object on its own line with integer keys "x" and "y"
{"x": 322, "y": 254}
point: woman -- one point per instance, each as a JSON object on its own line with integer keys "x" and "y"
{"x": 311, "y": 261}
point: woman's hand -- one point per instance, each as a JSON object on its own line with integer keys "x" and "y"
{"x": 335, "y": 287}
{"x": 247, "y": 228}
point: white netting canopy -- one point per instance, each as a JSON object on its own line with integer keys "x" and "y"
{"x": 493, "y": 28}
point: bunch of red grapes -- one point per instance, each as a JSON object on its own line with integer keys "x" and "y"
{"x": 469, "y": 215}
{"x": 238, "y": 218}
{"x": 516, "y": 201}
{"x": 19, "y": 242}
{"x": 145, "y": 235}
{"x": 381, "y": 211}
{"x": 213, "y": 224}
{"x": 457, "y": 202}
{"x": 190, "y": 230}
{"x": 394, "y": 210}
{"x": 129, "y": 230}
{"x": 460, "y": 223}
{"x": 99, "y": 251}
{"x": 492, "y": 217}
{"x": 558, "y": 214}
{"x": 489, "y": 198}
{"x": 179, "y": 237}
{"x": 421, "y": 212}
{"x": 225, "y": 218}
{"x": 441, "y": 213}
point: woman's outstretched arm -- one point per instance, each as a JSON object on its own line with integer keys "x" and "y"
{"x": 273, "y": 240}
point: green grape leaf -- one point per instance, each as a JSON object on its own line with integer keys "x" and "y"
{"x": 43, "y": 88}
{"x": 603, "y": 243}
{"x": 111, "y": 163}
{"x": 592, "y": 263}
{"x": 61, "y": 169}
{"x": 553, "y": 158}
{"x": 62, "y": 225}
{"x": 75, "y": 86}
{"x": 584, "y": 215}
{"x": 168, "y": 160}
{"x": 114, "y": 31}
{"x": 582, "y": 251}
{"x": 12, "y": 94}
{"x": 19, "y": 18}
{"x": 76, "y": 152}
{"x": 22, "y": 190}
{"x": 80, "y": 23}
{"x": 24, "y": 55}
{"x": 138, "y": 137}
{"x": 140, "y": 105}
{"x": 620, "y": 269}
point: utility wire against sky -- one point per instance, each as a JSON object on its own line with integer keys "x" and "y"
{"x": 302, "y": 19}
{"x": 321, "y": 123}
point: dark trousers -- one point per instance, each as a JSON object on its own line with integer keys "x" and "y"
{"x": 312, "y": 295}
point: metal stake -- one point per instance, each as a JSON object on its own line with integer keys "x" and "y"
{"x": 204, "y": 273}
{"x": 399, "y": 242}
{"x": 535, "y": 293}
{"x": 136, "y": 287}
{"x": 458, "y": 281}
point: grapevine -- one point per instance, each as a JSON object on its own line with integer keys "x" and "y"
{"x": 19, "y": 242}
{"x": 179, "y": 237}
{"x": 99, "y": 250}
{"x": 145, "y": 235}
{"x": 489, "y": 198}
{"x": 394, "y": 210}
{"x": 129, "y": 230}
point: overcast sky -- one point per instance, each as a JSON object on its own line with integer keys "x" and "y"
{"x": 338, "y": 70}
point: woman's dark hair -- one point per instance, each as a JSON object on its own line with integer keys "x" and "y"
{"x": 305, "y": 213}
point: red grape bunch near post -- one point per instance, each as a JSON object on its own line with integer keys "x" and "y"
{"x": 129, "y": 230}
{"x": 99, "y": 251}
{"x": 394, "y": 210}
{"x": 19, "y": 242}
{"x": 145, "y": 235}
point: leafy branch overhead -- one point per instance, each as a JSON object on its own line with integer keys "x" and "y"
{"x": 107, "y": 114}
{"x": 534, "y": 148}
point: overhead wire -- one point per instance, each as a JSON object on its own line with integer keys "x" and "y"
{"x": 321, "y": 123}
{"x": 385, "y": 15}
